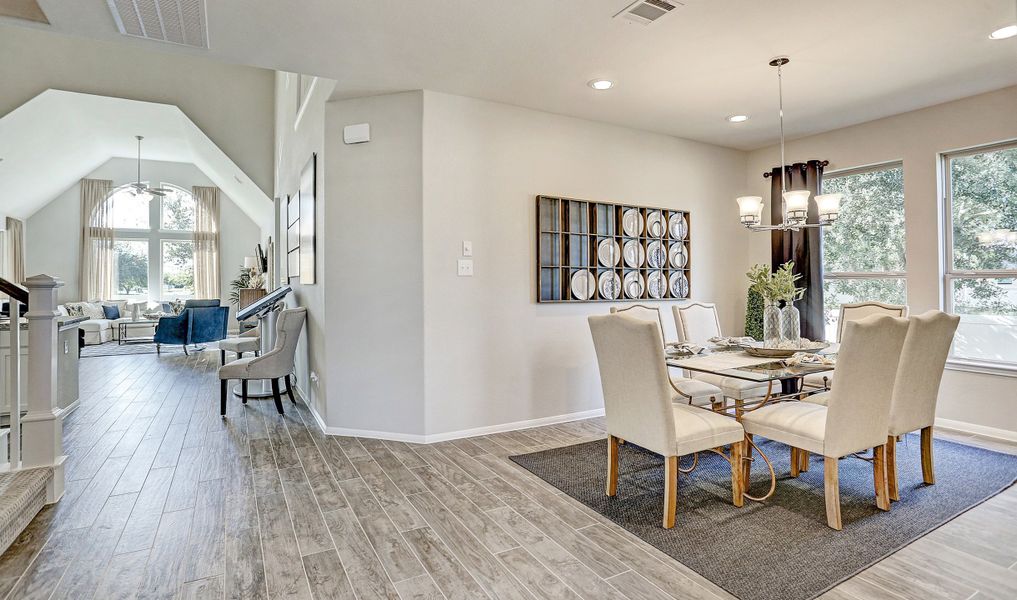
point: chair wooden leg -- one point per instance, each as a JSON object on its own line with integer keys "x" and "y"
{"x": 243, "y": 391}
{"x": 928, "y": 474}
{"x": 796, "y": 461}
{"x": 879, "y": 477}
{"x": 831, "y": 487}
{"x": 289, "y": 390}
{"x": 223, "y": 385}
{"x": 222, "y": 357}
{"x": 670, "y": 490}
{"x": 612, "y": 465}
{"x": 891, "y": 468}
{"x": 803, "y": 456}
{"x": 737, "y": 489}
{"x": 747, "y": 462}
{"x": 276, "y": 396}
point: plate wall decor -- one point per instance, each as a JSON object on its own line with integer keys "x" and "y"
{"x": 603, "y": 251}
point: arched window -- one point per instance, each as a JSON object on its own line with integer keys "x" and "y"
{"x": 153, "y": 243}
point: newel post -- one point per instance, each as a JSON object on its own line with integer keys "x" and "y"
{"x": 42, "y": 426}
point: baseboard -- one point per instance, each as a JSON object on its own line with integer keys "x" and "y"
{"x": 976, "y": 429}
{"x": 450, "y": 435}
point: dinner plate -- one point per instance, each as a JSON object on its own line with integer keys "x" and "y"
{"x": 656, "y": 284}
{"x": 610, "y": 285}
{"x": 632, "y": 222}
{"x": 655, "y": 225}
{"x": 584, "y": 285}
{"x": 634, "y": 253}
{"x": 608, "y": 253}
{"x": 677, "y": 256}
{"x": 656, "y": 255}
{"x": 679, "y": 285}
{"x": 678, "y": 226}
{"x": 633, "y": 285}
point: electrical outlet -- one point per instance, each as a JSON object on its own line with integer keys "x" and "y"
{"x": 465, "y": 268}
{"x": 467, "y": 248}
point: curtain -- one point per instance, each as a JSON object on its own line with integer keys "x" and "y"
{"x": 96, "y": 273}
{"x": 15, "y": 250}
{"x": 206, "y": 242}
{"x": 804, "y": 247}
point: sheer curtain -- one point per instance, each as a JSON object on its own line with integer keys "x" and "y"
{"x": 96, "y": 273}
{"x": 206, "y": 241}
{"x": 15, "y": 250}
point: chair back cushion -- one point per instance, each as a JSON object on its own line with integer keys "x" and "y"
{"x": 646, "y": 313}
{"x": 859, "y": 406}
{"x": 207, "y": 324}
{"x": 172, "y": 330}
{"x": 279, "y": 361}
{"x": 922, "y": 360}
{"x": 201, "y": 303}
{"x": 696, "y": 322}
{"x": 855, "y": 311}
{"x": 637, "y": 393}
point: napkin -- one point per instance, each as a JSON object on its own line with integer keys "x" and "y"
{"x": 683, "y": 348}
{"x": 730, "y": 341}
{"x": 806, "y": 358}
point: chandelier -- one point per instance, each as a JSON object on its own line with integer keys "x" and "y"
{"x": 795, "y": 202}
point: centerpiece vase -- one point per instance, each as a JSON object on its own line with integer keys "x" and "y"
{"x": 791, "y": 324}
{"x": 771, "y": 324}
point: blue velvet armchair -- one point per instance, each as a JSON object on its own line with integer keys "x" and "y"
{"x": 193, "y": 326}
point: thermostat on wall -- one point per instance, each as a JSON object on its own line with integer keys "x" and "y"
{"x": 357, "y": 134}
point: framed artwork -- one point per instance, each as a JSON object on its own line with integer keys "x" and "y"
{"x": 307, "y": 193}
{"x": 292, "y": 236}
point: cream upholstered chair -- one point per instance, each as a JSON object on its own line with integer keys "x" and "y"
{"x": 638, "y": 407}
{"x": 857, "y": 414}
{"x": 697, "y": 322}
{"x": 854, "y": 311}
{"x": 273, "y": 365}
{"x": 688, "y": 390}
{"x": 248, "y": 341}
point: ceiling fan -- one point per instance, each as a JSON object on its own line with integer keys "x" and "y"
{"x": 139, "y": 187}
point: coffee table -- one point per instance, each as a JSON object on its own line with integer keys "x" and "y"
{"x": 124, "y": 328}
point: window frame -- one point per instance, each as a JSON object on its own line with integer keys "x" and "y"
{"x": 848, "y": 275}
{"x": 950, "y": 274}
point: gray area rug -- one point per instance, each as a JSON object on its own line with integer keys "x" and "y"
{"x": 781, "y": 548}
{"x": 115, "y": 349}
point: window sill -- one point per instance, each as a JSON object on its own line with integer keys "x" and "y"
{"x": 986, "y": 368}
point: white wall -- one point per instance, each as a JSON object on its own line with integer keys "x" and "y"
{"x": 53, "y": 233}
{"x": 917, "y": 138}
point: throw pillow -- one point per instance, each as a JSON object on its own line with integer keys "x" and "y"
{"x": 111, "y": 312}
{"x": 93, "y": 310}
{"x": 75, "y": 309}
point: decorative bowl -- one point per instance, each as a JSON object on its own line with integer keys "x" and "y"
{"x": 763, "y": 352}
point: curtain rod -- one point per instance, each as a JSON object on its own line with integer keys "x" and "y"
{"x": 822, "y": 163}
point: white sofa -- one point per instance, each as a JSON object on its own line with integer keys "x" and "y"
{"x": 97, "y": 328}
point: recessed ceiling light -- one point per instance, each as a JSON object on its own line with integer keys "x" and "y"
{"x": 737, "y": 118}
{"x": 600, "y": 84}
{"x": 1004, "y": 32}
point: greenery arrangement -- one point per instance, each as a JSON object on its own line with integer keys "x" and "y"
{"x": 774, "y": 287}
{"x": 243, "y": 280}
{"x": 754, "y": 315}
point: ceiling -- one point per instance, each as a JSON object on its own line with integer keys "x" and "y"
{"x": 682, "y": 75}
{"x": 58, "y": 137}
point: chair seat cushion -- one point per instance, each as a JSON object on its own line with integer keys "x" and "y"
{"x": 822, "y": 398}
{"x": 798, "y": 424}
{"x": 818, "y": 379}
{"x": 698, "y": 429}
{"x": 240, "y": 344}
{"x": 734, "y": 387}
{"x": 695, "y": 388}
{"x": 238, "y": 369}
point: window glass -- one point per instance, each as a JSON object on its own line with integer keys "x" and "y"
{"x": 130, "y": 210}
{"x": 131, "y": 272}
{"x": 847, "y": 291}
{"x": 177, "y": 269}
{"x": 177, "y": 209}
{"x": 868, "y": 236}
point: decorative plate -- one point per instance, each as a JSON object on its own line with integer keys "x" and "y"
{"x": 656, "y": 284}
{"x": 584, "y": 285}
{"x": 677, "y": 256}
{"x": 655, "y": 225}
{"x": 678, "y": 227}
{"x": 608, "y": 253}
{"x": 610, "y": 285}
{"x": 634, "y": 253}
{"x": 656, "y": 255}
{"x": 634, "y": 285}
{"x": 679, "y": 285}
{"x": 632, "y": 222}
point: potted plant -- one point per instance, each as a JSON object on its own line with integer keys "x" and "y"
{"x": 774, "y": 288}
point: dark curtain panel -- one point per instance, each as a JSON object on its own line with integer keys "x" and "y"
{"x": 804, "y": 247}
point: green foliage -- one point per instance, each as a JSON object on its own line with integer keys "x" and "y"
{"x": 132, "y": 269}
{"x": 754, "y": 315}
{"x": 774, "y": 287}
{"x": 243, "y": 280}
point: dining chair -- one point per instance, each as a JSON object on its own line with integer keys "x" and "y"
{"x": 696, "y": 323}
{"x": 854, "y": 311}
{"x": 274, "y": 365}
{"x": 638, "y": 407}
{"x": 691, "y": 390}
{"x": 857, "y": 413}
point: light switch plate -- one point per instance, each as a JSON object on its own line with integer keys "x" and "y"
{"x": 467, "y": 248}
{"x": 465, "y": 267}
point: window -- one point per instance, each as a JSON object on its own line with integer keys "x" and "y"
{"x": 981, "y": 253}
{"x": 863, "y": 252}
{"x": 153, "y": 263}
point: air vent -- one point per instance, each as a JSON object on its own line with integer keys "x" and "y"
{"x": 174, "y": 21}
{"x": 645, "y": 12}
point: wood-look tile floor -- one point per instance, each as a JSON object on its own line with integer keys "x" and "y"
{"x": 166, "y": 500}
